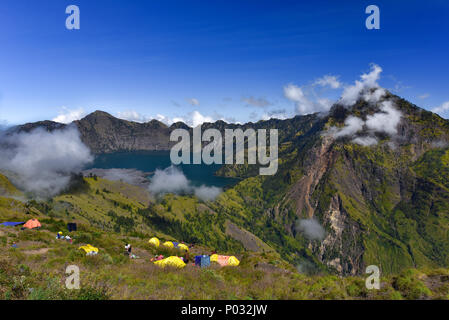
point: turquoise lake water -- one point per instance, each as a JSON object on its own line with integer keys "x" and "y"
{"x": 149, "y": 161}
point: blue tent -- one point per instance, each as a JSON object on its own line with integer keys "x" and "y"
{"x": 202, "y": 261}
{"x": 71, "y": 226}
{"x": 11, "y": 224}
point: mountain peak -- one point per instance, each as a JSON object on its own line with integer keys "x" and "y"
{"x": 368, "y": 103}
{"x": 46, "y": 125}
{"x": 98, "y": 114}
{"x": 156, "y": 124}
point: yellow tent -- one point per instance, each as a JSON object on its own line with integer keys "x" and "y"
{"x": 233, "y": 261}
{"x": 182, "y": 246}
{"x": 154, "y": 241}
{"x": 225, "y": 260}
{"x": 168, "y": 244}
{"x": 88, "y": 248}
{"x": 172, "y": 261}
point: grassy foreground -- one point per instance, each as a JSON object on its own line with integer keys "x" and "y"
{"x": 107, "y": 219}
{"x": 36, "y": 270}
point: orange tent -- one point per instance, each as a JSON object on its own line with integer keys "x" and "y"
{"x": 32, "y": 223}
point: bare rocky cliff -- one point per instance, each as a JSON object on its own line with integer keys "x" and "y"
{"x": 104, "y": 133}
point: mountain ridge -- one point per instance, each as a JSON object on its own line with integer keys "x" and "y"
{"x": 104, "y": 133}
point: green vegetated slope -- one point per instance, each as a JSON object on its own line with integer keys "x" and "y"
{"x": 385, "y": 204}
{"x": 7, "y": 188}
{"x": 36, "y": 268}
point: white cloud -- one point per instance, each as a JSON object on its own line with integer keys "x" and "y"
{"x": 324, "y": 104}
{"x": 135, "y": 116}
{"x": 303, "y": 104}
{"x": 131, "y": 115}
{"x": 194, "y": 118}
{"x": 365, "y": 141}
{"x": 173, "y": 180}
{"x": 311, "y": 229}
{"x": 206, "y": 193}
{"x": 294, "y": 93}
{"x": 374, "y": 96}
{"x": 163, "y": 119}
{"x": 362, "y": 88}
{"x": 274, "y": 114}
{"x": 67, "y": 115}
{"x": 441, "y": 109}
{"x": 41, "y": 162}
{"x": 352, "y": 126}
{"x": 328, "y": 80}
{"x": 370, "y": 79}
{"x": 178, "y": 119}
{"x": 217, "y": 116}
{"x": 169, "y": 180}
{"x": 307, "y": 101}
{"x": 193, "y": 101}
{"x": 424, "y": 96}
{"x": 385, "y": 121}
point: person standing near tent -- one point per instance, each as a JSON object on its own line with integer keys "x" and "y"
{"x": 186, "y": 257}
{"x": 128, "y": 249}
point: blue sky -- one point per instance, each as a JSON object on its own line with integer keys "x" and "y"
{"x": 211, "y": 59}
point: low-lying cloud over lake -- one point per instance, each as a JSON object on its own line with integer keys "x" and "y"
{"x": 173, "y": 180}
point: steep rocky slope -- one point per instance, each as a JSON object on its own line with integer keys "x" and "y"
{"x": 383, "y": 204}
